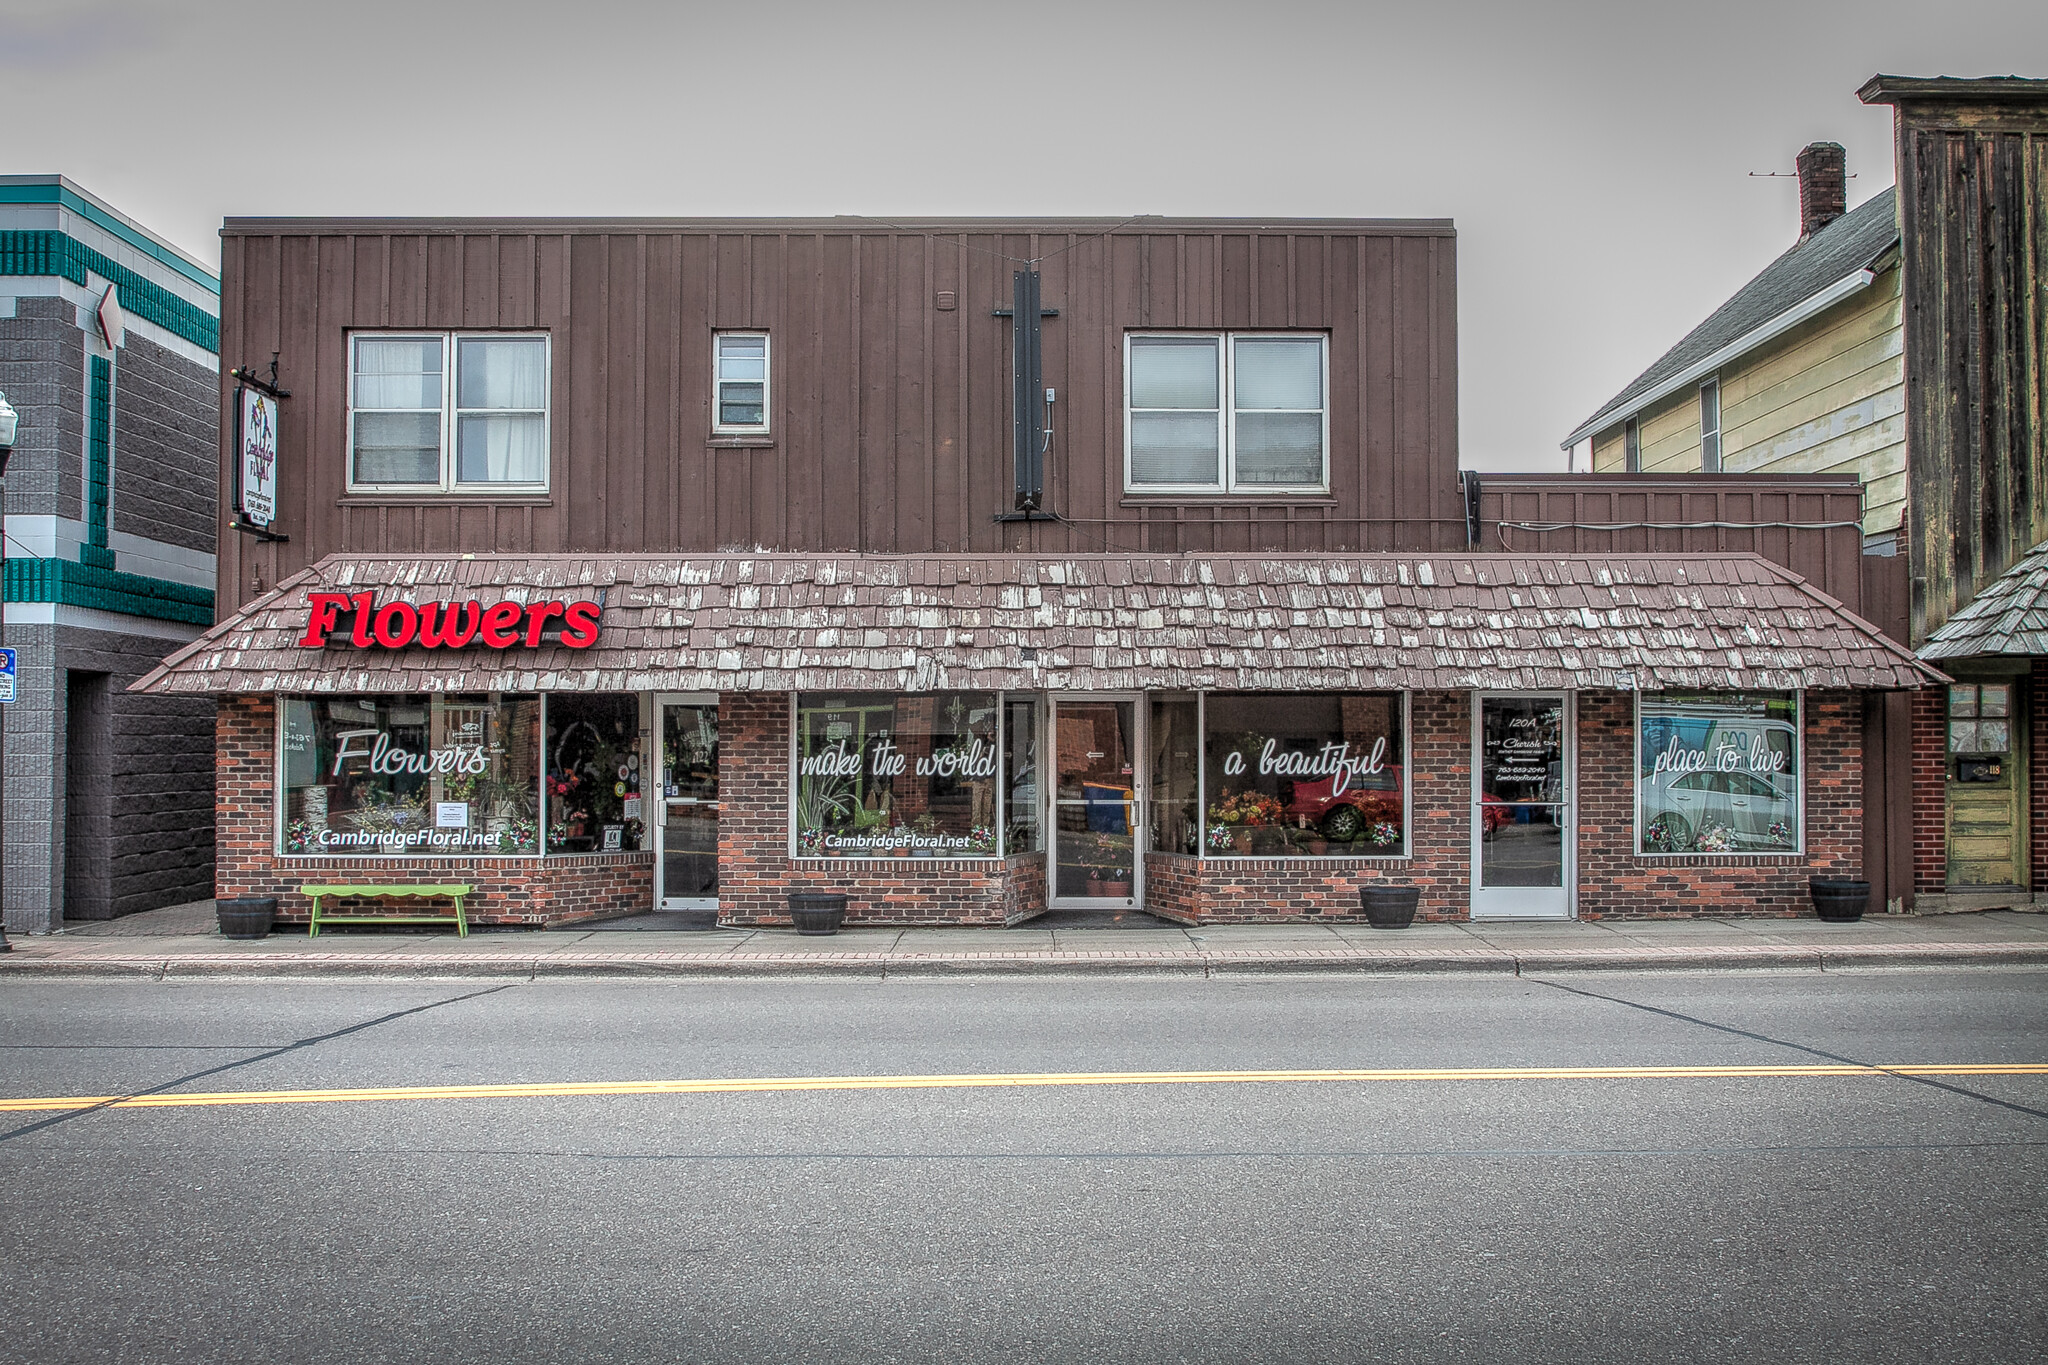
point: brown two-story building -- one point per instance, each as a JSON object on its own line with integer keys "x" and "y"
{"x": 980, "y": 569}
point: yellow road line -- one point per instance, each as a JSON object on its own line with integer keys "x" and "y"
{"x": 553, "y": 1090}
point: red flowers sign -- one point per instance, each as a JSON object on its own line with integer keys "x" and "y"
{"x": 339, "y": 618}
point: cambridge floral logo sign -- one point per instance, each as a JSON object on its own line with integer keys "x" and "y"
{"x": 354, "y": 620}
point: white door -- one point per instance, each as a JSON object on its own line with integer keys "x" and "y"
{"x": 1522, "y": 812}
{"x": 686, "y": 830}
{"x": 1096, "y": 852}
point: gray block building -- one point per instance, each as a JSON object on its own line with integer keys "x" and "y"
{"x": 109, "y": 350}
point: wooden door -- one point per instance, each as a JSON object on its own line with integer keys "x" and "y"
{"x": 1987, "y": 785}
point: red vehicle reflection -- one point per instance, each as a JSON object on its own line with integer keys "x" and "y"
{"x": 1344, "y": 816}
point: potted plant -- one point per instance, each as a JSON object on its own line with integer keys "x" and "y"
{"x": 1389, "y": 905}
{"x": 816, "y": 913}
{"x": 246, "y": 916}
{"x": 1838, "y": 900}
{"x": 1117, "y": 884}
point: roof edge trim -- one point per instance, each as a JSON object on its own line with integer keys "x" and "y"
{"x": 1820, "y": 302}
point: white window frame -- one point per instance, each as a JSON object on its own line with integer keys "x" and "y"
{"x": 1710, "y": 434}
{"x": 1799, "y": 795}
{"x": 450, "y": 367}
{"x": 1226, "y": 417}
{"x": 1407, "y": 853}
{"x": 767, "y": 386}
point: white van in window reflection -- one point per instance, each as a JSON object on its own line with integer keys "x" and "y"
{"x": 1722, "y": 812}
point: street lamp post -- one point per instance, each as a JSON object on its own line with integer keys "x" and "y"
{"x": 10, "y": 422}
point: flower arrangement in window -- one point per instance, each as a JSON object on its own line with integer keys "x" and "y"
{"x": 982, "y": 839}
{"x": 298, "y": 836}
{"x": 1781, "y": 831}
{"x": 1715, "y": 839}
{"x": 1247, "y": 808}
{"x": 1381, "y": 833}
{"x": 394, "y": 814}
{"x": 1219, "y": 838}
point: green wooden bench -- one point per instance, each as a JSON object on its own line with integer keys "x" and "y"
{"x": 454, "y": 892}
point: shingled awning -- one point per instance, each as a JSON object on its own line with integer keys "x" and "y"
{"x": 2010, "y": 617}
{"x": 839, "y": 622}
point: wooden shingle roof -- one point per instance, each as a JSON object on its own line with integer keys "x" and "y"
{"x": 776, "y": 622}
{"x": 2010, "y": 617}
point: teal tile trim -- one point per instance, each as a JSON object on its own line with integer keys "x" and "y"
{"x": 53, "y": 253}
{"x": 99, "y": 461}
{"x": 71, "y": 584}
{"x": 92, "y": 213}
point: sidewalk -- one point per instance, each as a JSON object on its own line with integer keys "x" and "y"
{"x": 178, "y": 942}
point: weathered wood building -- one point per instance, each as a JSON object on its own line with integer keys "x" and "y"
{"x": 981, "y": 569}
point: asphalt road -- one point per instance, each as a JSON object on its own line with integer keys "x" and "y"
{"x": 1863, "y": 1218}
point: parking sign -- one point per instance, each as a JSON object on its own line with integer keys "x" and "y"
{"x": 6, "y": 675}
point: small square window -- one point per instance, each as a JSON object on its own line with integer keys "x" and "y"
{"x": 739, "y": 382}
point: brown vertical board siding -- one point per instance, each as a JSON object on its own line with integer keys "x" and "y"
{"x": 1673, "y": 514}
{"x": 890, "y": 421}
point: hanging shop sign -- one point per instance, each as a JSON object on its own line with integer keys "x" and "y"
{"x": 256, "y": 456}
{"x": 355, "y": 620}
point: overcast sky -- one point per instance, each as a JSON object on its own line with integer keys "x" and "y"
{"x": 1595, "y": 157}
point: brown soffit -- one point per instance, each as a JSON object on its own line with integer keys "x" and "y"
{"x": 790, "y": 622}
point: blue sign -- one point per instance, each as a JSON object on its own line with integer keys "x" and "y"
{"x": 6, "y": 675}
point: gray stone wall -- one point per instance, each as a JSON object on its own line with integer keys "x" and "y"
{"x": 157, "y": 807}
{"x": 166, "y": 450}
{"x": 42, "y": 371}
{"x": 29, "y": 886}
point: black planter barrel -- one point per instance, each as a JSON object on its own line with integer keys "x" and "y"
{"x": 817, "y": 912}
{"x": 1389, "y": 907}
{"x": 1840, "y": 901}
{"x": 246, "y": 916}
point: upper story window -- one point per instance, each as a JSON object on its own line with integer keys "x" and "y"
{"x": 1226, "y": 412}
{"x": 1631, "y": 447}
{"x": 1710, "y": 427}
{"x": 739, "y": 382}
{"x": 412, "y": 430}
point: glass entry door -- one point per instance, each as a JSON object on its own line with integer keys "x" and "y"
{"x": 1522, "y": 816}
{"x": 686, "y": 831}
{"x": 1097, "y": 854}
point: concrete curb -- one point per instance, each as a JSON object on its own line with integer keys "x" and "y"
{"x": 232, "y": 966}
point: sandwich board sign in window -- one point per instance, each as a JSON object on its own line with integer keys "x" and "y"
{"x": 256, "y": 457}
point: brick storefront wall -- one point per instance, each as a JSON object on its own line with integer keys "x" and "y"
{"x": 514, "y": 891}
{"x": 757, "y": 874}
{"x": 1930, "y": 790}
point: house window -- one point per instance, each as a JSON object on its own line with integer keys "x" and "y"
{"x": 412, "y": 430}
{"x": 739, "y": 382}
{"x": 1717, "y": 772}
{"x": 1631, "y": 447}
{"x": 1978, "y": 719}
{"x": 1710, "y": 427}
{"x": 1226, "y": 412}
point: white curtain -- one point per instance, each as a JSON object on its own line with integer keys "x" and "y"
{"x": 501, "y": 401}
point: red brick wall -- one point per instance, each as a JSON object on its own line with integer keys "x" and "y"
{"x": 522, "y": 891}
{"x": 1616, "y": 882}
{"x": 1930, "y": 789}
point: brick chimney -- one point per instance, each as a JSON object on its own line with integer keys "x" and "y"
{"x": 1823, "y": 186}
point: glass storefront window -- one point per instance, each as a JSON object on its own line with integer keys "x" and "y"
{"x": 596, "y": 763}
{"x": 1176, "y": 774}
{"x": 882, "y": 776}
{"x": 420, "y": 776}
{"x": 1717, "y": 772}
{"x": 1020, "y": 776}
{"x": 1304, "y": 775}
